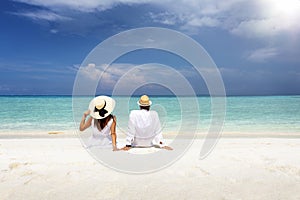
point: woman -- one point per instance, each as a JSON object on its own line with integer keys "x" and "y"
{"x": 102, "y": 122}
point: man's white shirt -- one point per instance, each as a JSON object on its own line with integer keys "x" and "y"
{"x": 144, "y": 129}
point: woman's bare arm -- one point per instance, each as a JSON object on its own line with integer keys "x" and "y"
{"x": 84, "y": 124}
{"x": 113, "y": 133}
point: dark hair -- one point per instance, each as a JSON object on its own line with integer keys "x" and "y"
{"x": 145, "y": 108}
{"x": 103, "y": 122}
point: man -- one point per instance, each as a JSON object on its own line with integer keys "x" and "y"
{"x": 144, "y": 128}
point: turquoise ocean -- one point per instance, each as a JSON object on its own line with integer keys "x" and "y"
{"x": 244, "y": 114}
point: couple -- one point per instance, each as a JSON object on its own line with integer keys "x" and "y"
{"x": 144, "y": 128}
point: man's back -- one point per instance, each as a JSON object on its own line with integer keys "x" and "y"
{"x": 143, "y": 127}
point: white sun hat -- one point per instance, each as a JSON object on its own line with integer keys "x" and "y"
{"x": 101, "y": 106}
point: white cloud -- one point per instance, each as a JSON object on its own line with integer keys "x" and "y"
{"x": 122, "y": 77}
{"x": 267, "y": 21}
{"x": 79, "y": 5}
{"x": 204, "y": 21}
{"x": 43, "y": 15}
{"x": 164, "y": 18}
{"x": 278, "y": 17}
{"x": 54, "y": 31}
{"x": 261, "y": 55}
{"x": 254, "y": 18}
{"x": 108, "y": 75}
{"x": 83, "y": 5}
{"x": 91, "y": 72}
{"x": 256, "y": 28}
{"x": 4, "y": 88}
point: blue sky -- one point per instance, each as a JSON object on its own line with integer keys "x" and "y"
{"x": 255, "y": 44}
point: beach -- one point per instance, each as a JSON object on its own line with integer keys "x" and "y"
{"x": 237, "y": 168}
{"x": 256, "y": 157}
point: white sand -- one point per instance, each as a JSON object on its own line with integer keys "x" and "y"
{"x": 238, "y": 168}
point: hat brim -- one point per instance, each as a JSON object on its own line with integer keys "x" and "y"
{"x": 110, "y": 105}
{"x": 150, "y": 103}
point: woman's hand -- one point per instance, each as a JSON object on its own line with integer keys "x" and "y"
{"x": 86, "y": 113}
{"x": 115, "y": 148}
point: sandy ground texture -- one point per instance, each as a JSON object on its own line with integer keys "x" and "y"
{"x": 237, "y": 168}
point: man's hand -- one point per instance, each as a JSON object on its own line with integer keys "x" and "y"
{"x": 167, "y": 148}
{"x": 126, "y": 148}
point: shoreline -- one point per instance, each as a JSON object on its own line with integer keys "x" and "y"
{"x": 198, "y": 135}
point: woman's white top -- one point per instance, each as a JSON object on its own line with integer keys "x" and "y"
{"x": 144, "y": 129}
{"x": 100, "y": 138}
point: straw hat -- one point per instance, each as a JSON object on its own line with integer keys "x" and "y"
{"x": 101, "y": 106}
{"x": 144, "y": 101}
